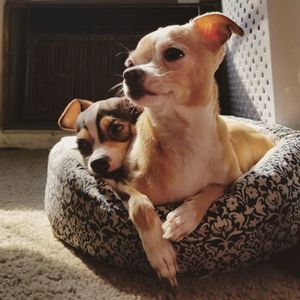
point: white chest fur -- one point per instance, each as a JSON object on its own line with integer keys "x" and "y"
{"x": 193, "y": 156}
{"x": 192, "y": 170}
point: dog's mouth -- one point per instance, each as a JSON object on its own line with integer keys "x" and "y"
{"x": 137, "y": 92}
{"x": 115, "y": 175}
{"x": 149, "y": 93}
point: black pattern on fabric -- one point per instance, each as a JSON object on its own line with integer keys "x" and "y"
{"x": 258, "y": 216}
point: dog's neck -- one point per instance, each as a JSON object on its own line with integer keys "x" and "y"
{"x": 183, "y": 124}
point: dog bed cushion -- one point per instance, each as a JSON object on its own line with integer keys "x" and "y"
{"x": 258, "y": 216}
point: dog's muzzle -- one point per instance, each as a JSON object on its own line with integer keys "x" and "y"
{"x": 134, "y": 80}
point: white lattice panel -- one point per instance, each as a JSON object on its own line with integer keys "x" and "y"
{"x": 249, "y": 61}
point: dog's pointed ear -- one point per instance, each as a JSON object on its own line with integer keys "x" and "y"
{"x": 67, "y": 120}
{"x": 216, "y": 29}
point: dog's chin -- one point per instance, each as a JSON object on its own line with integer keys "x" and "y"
{"x": 155, "y": 102}
{"x": 137, "y": 94}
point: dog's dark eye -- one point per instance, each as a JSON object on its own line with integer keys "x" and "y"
{"x": 173, "y": 54}
{"x": 84, "y": 147}
{"x": 115, "y": 129}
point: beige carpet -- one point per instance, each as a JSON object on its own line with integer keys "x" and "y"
{"x": 35, "y": 265}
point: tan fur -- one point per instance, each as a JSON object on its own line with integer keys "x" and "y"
{"x": 248, "y": 144}
{"x": 141, "y": 209}
{"x": 183, "y": 150}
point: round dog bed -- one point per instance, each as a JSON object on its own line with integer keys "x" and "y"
{"x": 259, "y": 216}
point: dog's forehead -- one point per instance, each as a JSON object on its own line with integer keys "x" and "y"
{"x": 171, "y": 32}
{"x": 87, "y": 117}
{"x": 109, "y": 106}
{"x": 115, "y": 107}
{"x": 144, "y": 47}
{"x": 165, "y": 35}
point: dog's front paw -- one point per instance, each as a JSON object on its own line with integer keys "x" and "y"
{"x": 181, "y": 222}
{"x": 162, "y": 258}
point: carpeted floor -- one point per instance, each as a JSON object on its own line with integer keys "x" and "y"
{"x": 35, "y": 265}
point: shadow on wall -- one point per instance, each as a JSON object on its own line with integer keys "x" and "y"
{"x": 240, "y": 102}
{"x": 246, "y": 62}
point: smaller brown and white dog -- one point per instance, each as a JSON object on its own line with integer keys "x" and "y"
{"x": 104, "y": 132}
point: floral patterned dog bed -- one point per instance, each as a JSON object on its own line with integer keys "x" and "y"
{"x": 259, "y": 216}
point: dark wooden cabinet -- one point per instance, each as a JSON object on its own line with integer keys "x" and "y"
{"x": 55, "y": 53}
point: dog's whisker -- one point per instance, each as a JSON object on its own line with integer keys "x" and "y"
{"x": 166, "y": 73}
{"x": 120, "y": 92}
{"x": 121, "y": 53}
{"x": 115, "y": 86}
{"x": 119, "y": 87}
{"x": 121, "y": 76}
{"x": 127, "y": 50}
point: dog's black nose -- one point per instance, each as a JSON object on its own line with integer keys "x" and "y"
{"x": 134, "y": 80}
{"x": 133, "y": 75}
{"x": 100, "y": 165}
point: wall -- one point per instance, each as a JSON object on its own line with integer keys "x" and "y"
{"x": 284, "y": 24}
{"x": 1, "y": 54}
{"x": 264, "y": 65}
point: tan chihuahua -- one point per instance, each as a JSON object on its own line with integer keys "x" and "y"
{"x": 183, "y": 149}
